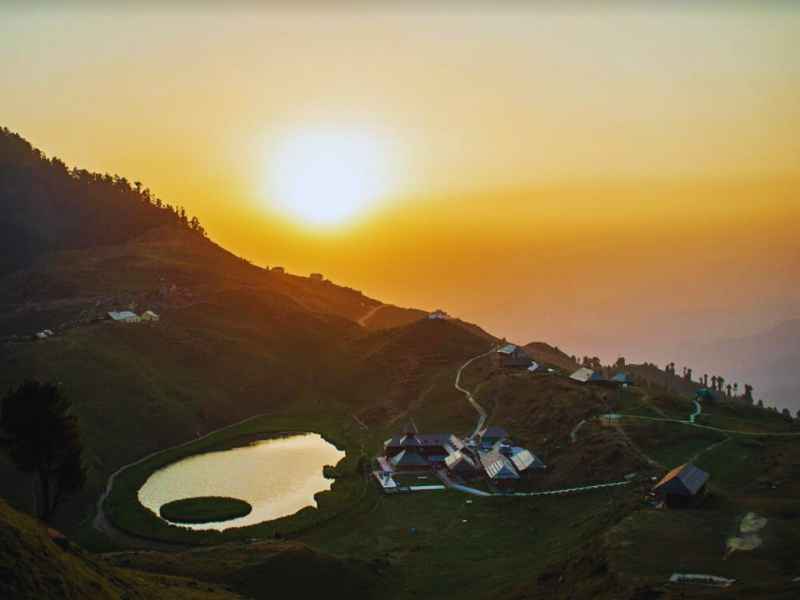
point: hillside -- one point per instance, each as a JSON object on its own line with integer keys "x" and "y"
{"x": 33, "y": 566}
{"x": 235, "y": 340}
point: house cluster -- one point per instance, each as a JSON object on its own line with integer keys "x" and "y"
{"x": 490, "y": 456}
{"x": 587, "y": 375}
{"x": 128, "y": 316}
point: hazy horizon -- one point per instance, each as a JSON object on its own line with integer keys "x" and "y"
{"x": 616, "y": 181}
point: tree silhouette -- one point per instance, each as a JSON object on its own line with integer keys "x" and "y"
{"x": 760, "y": 403}
{"x": 728, "y": 390}
{"x": 41, "y": 437}
{"x": 735, "y": 389}
{"x": 748, "y": 393}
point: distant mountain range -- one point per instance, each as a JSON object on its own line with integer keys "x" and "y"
{"x": 768, "y": 360}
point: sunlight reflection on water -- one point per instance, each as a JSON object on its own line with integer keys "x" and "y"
{"x": 277, "y": 477}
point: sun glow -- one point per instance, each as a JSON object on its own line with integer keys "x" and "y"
{"x": 328, "y": 177}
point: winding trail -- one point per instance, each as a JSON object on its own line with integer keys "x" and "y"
{"x": 369, "y": 314}
{"x": 482, "y": 415}
{"x": 615, "y": 416}
{"x": 698, "y": 409}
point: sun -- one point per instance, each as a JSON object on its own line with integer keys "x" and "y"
{"x": 328, "y": 177}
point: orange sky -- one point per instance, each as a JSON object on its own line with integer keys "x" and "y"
{"x": 612, "y": 180}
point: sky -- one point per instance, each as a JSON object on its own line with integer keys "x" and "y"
{"x": 614, "y": 180}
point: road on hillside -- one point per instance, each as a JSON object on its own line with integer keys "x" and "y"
{"x": 363, "y": 320}
{"x": 482, "y": 416}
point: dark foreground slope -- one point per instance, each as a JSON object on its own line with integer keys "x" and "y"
{"x": 33, "y": 567}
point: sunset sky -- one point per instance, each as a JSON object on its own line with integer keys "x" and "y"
{"x": 613, "y": 180}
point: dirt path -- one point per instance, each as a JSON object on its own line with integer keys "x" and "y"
{"x": 690, "y": 424}
{"x": 482, "y": 415}
{"x": 369, "y": 314}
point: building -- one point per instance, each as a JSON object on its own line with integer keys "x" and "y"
{"x": 461, "y": 463}
{"x": 434, "y": 447}
{"x": 316, "y": 277}
{"x": 622, "y": 379}
{"x": 533, "y": 367}
{"x": 499, "y": 468}
{"x": 511, "y": 355}
{"x": 409, "y": 460}
{"x": 524, "y": 461}
{"x": 278, "y": 270}
{"x": 490, "y": 436}
{"x": 124, "y": 316}
{"x": 681, "y": 486}
{"x": 149, "y": 315}
{"x": 438, "y": 314}
{"x": 582, "y": 375}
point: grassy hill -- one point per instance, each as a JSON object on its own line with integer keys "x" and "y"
{"x": 33, "y": 566}
{"x": 235, "y": 340}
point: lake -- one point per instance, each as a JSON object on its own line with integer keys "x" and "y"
{"x": 278, "y": 477}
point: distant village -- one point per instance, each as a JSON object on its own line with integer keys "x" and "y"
{"x": 492, "y": 461}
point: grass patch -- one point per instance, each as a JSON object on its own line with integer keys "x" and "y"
{"x": 205, "y": 509}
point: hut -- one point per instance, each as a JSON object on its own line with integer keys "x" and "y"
{"x": 681, "y": 486}
{"x": 582, "y": 375}
{"x": 438, "y": 315}
{"x": 524, "y": 461}
{"x": 533, "y": 367}
{"x": 316, "y": 277}
{"x": 149, "y": 315}
{"x": 123, "y": 316}
{"x": 511, "y": 355}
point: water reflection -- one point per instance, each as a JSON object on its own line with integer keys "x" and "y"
{"x": 277, "y": 477}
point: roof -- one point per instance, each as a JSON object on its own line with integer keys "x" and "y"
{"x": 493, "y": 432}
{"x": 409, "y": 459}
{"x": 685, "y": 480}
{"x": 523, "y": 459}
{"x": 498, "y": 466}
{"x": 621, "y": 378}
{"x": 508, "y": 349}
{"x": 597, "y": 377}
{"x": 448, "y": 441}
{"x": 122, "y": 315}
{"x": 534, "y": 365}
{"x": 459, "y": 459}
{"x": 583, "y": 375}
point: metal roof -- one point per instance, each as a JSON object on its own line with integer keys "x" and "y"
{"x": 409, "y": 459}
{"x": 507, "y": 349}
{"x": 498, "y": 466}
{"x": 123, "y": 315}
{"x": 583, "y": 374}
{"x": 493, "y": 432}
{"x": 684, "y": 480}
{"x": 621, "y": 378}
{"x": 459, "y": 459}
{"x": 448, "y": 441}
{"x": 523, "y": 459}
{"x": 534, "y": 365}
